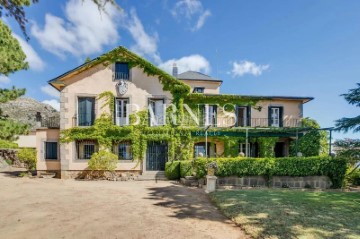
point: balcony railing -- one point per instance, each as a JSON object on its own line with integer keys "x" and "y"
{"x": 253, "y": 122}
{"x": 121, "y": 76}
{"x": 51, "y": 122}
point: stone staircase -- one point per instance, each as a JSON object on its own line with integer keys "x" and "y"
{"x": 152, "y": 175}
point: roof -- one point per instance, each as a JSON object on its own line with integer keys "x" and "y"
{"x": 122, "y": 54}
{"x": 196, "y": 76}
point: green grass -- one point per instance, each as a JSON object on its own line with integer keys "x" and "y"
{"x": 291, "y": 213}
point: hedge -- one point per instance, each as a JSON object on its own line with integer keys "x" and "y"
{"x": 4, "y": 144}
{"x": 172, "y": 170}
{"x": 334, "y": 168}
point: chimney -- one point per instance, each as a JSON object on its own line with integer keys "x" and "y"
{"x": 175, "y": 70}
{"x": 38, "y": 119}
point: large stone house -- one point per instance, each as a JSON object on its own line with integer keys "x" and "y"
{"x": 143, "y": 132}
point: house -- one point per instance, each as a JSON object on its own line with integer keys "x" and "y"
{"x": 152, "y": 117}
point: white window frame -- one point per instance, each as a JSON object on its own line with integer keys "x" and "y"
{"x": 122, "y": 121}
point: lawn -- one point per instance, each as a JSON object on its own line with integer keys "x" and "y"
{"x": 292, "y": 213}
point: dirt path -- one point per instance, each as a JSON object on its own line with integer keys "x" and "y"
{"x": 53, "y": 208}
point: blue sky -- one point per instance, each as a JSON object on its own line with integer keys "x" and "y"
{"x": 291, "y": 48}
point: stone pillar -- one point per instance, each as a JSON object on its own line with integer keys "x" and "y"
{"x": 210, "y": 184}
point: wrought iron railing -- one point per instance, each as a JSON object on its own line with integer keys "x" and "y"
{"x": 121, "y": 76}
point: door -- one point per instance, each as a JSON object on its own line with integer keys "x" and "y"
{"x": 242, "y": 116}
{"x": 279, "y": 149}
{"x": 122, "y": 116}
{"x": 275, "y": 117}
{"x": 156, "y": 156}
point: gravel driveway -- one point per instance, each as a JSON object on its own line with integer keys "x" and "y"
{"x": 54, "y": 208}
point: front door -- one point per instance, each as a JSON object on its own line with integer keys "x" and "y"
{"x": 156, "y": 156}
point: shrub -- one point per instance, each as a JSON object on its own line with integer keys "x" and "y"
{"x": 186, "y": 168}
{"x": 5, "y": 144}
{"x": 172, "y": 170}
{"x": 354, "y": 177}
{"x": 334, "y": 168}
{"x": 28, "y": 157}
{"x": 101, "y": 162}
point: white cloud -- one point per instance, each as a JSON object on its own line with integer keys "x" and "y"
{"x": 54, "y": 103}
{"x": 47, "y": 89}
{"x": 83, "y": 31}
{"x": 186, "y": 63}
{"x": 4, "y": 80}
{"x": 191, "y": 9}
{"x": 201, "y": 21}
{"x": 34, "y": 60}
{"x": 247, "y": 67}
{"x": 145, "y": 44}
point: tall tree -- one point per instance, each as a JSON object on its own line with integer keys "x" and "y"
{"x": 346, "y": 124}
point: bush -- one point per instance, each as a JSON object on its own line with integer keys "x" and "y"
{"x": 354, "y": 177}
{"x": 103, "y": 161}
{"x": 172, "y": 170}
{"x": 334, "y": 168}
{"x": 186, "y": 168}
{"x": 5, "y": 144}
{"x": 28, "y": 157}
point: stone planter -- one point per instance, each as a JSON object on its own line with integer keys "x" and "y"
{"x": 211, "y": 171}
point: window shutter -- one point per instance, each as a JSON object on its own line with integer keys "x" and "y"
{"x": 248, "y": 115}
{"x": 281, "y": 113}
{"x": 269, "y": 116}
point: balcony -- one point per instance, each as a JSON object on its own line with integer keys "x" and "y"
{"x": 51, "y": 123}
{"x": 225, "y": 122}
{"x": 121, "y": 76}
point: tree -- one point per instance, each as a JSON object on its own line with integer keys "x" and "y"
{"x": 12, "y": 58}
{"x": 345, "y": 124}
{"x": 313, "y": 143}
{"x": 349, "y": 149}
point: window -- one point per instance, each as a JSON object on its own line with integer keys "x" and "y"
{"x": 121, "y": 71}
{"x": 210, "y": 115}
{"x": 200, "y": 151}
{"x": 86, "y": 148}
{"x": 157, "y": 112}
{"x": 123, "y": 150}
{"x": 199, "y": 90}
{"x": 253, "y": 149}
{"x": 86, "y": 111}
{"x": 51, "y": 151}
{"x": 275, "y": 116}
{"x": 122, "y": 116}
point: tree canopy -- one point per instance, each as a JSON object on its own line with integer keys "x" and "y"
{"x": 345, "y": 124}
{"x": 12, "y": 58}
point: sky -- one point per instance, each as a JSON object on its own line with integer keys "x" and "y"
{"x": 261, "y": 47}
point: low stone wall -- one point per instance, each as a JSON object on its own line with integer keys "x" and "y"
{"x": 10, "y": 155}
{"x": 320, "y": 182}
{"x": 80, "y": 174}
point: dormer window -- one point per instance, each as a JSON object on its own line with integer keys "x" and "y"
{"x": 199, "y": 90}
{"x": 121, "y": 71}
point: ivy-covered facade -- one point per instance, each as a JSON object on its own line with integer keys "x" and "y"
{"x": 122, "y": 103}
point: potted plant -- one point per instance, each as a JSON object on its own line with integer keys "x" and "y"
{"x": 211, "y": 167}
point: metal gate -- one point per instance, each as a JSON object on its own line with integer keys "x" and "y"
{"x": 156, "y": 155}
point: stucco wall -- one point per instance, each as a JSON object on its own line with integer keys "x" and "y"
{"x": 210, "y": 87}
{"x": 26, "y": 141}
{"x": 43, "y": 135}
{"x": 93, "y": 82}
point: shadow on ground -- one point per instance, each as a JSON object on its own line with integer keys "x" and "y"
{"x": 186, "y": 202}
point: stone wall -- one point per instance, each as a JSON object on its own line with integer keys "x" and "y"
{"x": 319, "y": 182}
{"x": 9, "y": 155}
